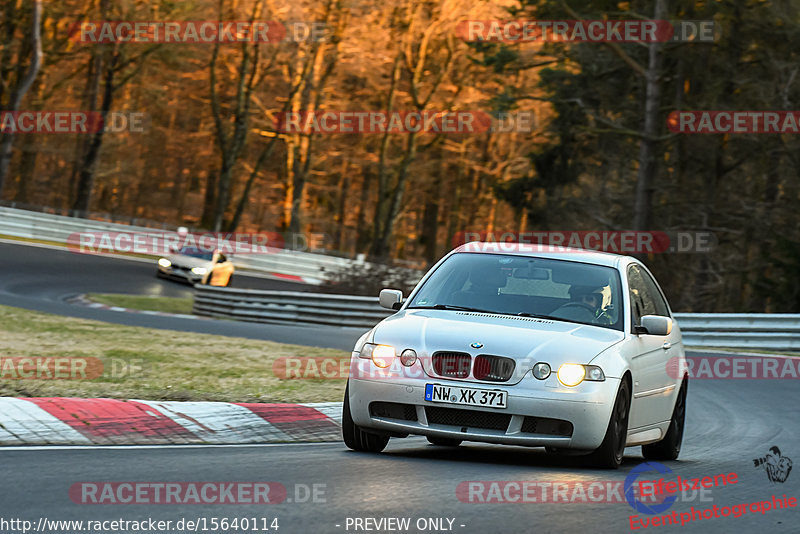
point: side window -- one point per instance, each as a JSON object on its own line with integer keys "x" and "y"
{"x": 652, "y": 289}
{"x": 641, "y": 302}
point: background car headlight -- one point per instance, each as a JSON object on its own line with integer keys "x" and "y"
{"x": 200, "y": 270}
{"x": 541, "y": 370}
{"x": 164, "y": 262}
{"x": 572, "y": 374}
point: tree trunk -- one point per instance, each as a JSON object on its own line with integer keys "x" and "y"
{"x": 23, "y": 85}
{"x": 648, "y": 143}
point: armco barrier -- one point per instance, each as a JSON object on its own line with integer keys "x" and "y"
{"x": 312, "y": 268}
{"x": 287, "y": 307}
{"x": 773, "y": 331}
{"x": 733, "y": 330}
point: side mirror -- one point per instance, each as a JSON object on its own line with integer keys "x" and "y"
{"x": 654, "y": 325}
{"x": 391, "y": 299}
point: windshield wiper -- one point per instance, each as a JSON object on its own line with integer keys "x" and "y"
{"x": 451, "y": 307}
{"x": 549, "y": 317}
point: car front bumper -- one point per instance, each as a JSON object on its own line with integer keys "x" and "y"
{"x": 177, "y": 273}
{"x": 587, "y": 407}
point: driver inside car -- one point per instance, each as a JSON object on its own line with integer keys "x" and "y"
{"x": 586, "y": 304}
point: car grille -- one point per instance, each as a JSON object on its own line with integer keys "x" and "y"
{"x": 467, "y": 418}
{"x": 543, "y": 425}
{"x": 452, "y": 364}
{"x": 493, "y": 368}
{"x": 393, "y": 410}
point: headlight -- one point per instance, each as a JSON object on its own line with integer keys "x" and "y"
{"x": 408, "y": 357}
{"x": 572, "y": 374}
{"x": 381, "y": 355}
{"x": 164, "y": 262}
{"x": 541, "y": 370}
{"x": 200, "y": 270}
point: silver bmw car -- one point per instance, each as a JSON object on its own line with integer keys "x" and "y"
{"x": 523, "y": 345}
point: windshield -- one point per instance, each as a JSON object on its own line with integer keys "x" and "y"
{"x": 196, "y": 253}
{"x": 520, "y": 285}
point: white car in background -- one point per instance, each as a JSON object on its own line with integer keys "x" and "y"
{"x": 197, "y": 266}
{"x": 523, "y": 345}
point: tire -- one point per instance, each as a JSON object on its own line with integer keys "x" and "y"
{"x": 444, "y": 442}
{"x": 670, "y": 446}
{"x": 609, "y": 454}
{"x": 354, "y": 437}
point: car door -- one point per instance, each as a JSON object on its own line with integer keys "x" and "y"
{"x": 653, "y": 390}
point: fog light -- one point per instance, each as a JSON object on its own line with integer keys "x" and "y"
{"x": 408, "y": 357}
{"x": 382, "y": 355}
{"x": 571, "y": 374}
{"x": 541, "y": 370}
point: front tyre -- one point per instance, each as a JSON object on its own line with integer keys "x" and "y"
{"x": 354, "y": 437}
{"x": 609, "y": 454}
{"x": 670, "y": 446}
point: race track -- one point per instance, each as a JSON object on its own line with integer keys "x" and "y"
{"x": 41, "y": 279}
{"x": 729, "y": 424}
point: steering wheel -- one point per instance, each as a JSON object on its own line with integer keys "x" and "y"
{"x": 577, "y": 311}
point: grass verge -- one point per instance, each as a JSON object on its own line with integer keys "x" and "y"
{"x": 141, "y": 302}
{"x": 152, "y": 364}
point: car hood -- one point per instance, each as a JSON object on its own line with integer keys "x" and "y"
{"x": 188, "y": 261}
{"x": 528, "y": 340}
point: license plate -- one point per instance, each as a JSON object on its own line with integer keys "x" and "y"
{"x": 492, "y": 398}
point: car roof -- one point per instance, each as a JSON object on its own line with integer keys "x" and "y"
{"x": 549, "y": 251}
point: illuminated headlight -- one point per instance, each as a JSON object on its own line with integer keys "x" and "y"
{"x": 381, "y": 355}
{"x": 572, "y": 374}
{"x": 200, "y": 270}
{"x": 408, "y": 357}
{"x": 541, "y": 370}
{"x": 164, "y": 262}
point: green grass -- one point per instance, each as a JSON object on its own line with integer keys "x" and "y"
{"x": 155, "y": 364}
{"x": 140, "y": 302}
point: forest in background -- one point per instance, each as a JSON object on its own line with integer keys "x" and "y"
{"x": 600, "y": 157}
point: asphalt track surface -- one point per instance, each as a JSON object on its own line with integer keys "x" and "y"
{"x": 729, "y": 423}
{"x": 41, "y": 279}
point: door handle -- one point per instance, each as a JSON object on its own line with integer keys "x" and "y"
{"x": 666, "y": 345}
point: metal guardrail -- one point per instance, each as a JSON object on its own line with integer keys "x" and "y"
{"x": 313, "y": 268}
{"x": 773, "y": 331}
{"x": 729, "y": 330}
{"x": 287, "y": 307}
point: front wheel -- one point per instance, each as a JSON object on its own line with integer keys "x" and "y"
{"x": 609, "y": 454}
{"x": 670, "y": 446}
{"x": 354, "y": 437}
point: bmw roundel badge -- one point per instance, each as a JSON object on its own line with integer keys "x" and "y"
{"x": 476, "y": 345}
